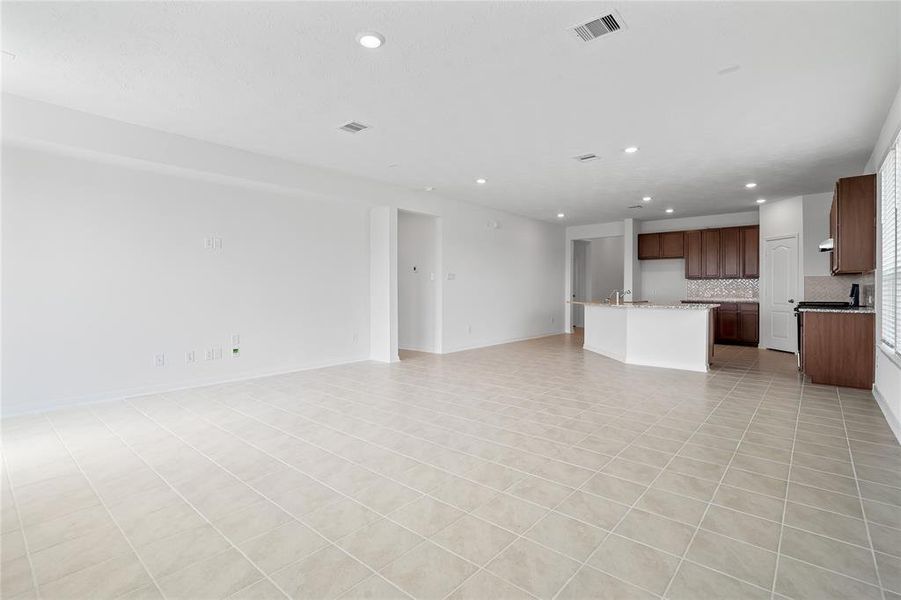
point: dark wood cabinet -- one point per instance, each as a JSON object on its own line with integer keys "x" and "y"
{"x": 727, "y": 323}
{"x": 693, "y": 259}
{"x": 710, "y": 252}
{"x": 852, "y": 225}
{"x": 837, "y": 348}
{"x": 668, "y": 244}
{"x": 672, "y": 244}
{"x": 730, "y": 253}
{"x": 735, "y": 323}
{"x": 648, "y": 246}
{"x": 750, "y": 252}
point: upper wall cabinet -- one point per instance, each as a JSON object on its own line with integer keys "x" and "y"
{"x": 728, "y": 253}
{"x": 852, "y": 225}
{"x": 668, "y": 244}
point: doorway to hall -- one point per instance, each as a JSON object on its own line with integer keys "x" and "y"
{"x": 418, "y": 282}
{"x": 597, "y": 270}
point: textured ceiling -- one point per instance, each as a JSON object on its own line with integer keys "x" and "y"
{"x": 500, "y": 90}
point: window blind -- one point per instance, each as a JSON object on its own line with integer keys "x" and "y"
{"x": 891, "y": 278}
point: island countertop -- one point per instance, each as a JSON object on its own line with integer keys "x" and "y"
{"x": 647, "y": 305}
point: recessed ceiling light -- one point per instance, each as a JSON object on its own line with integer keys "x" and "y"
{"x": 761, "y": 200}
{"x": 631, "y": 150}
{"x": 429, "y": 189}
{"x": 750, "y": 185}
{"x": 669, "y": 210}
{"x": 646, "y": 199}
{"x": 370, "y": 39}
{"x": 481, "y": 181}
{"x": 560, "y": 215}
{"x": 729, "y": 69}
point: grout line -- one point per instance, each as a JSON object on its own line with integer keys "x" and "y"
{"x": 791, "y": 460}
{"x": 863, "y": 510}
{"x": 5, "y": 475}
{"x": 105, "y": 507}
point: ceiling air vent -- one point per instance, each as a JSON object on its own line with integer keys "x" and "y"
{"x": 635, "y": 206}
{"x": 592, "y": 30}
{"x": 586, "y": 157}
{"x": 353, "y": 127}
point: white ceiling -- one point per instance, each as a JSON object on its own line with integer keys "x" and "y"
{"x": 501, "y": 90}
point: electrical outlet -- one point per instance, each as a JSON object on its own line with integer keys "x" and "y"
{"x": 208, "y": 243}
{"x": 356, "y": 337}
{"x": 469, "y": 329}
{"x": 217, "y": 243}
{"x": 190, "y": 357}
{"x": 159, "y": 360}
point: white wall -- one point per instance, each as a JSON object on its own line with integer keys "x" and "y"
{"x": 605, "y": 260}
{"x": 104, "y": 264}
{"x": 887, "y": 387}
{"x": 418, "y": 279}
{"x": 816, "y": 229}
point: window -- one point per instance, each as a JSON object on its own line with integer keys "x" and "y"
{"x": 890, "y": 206}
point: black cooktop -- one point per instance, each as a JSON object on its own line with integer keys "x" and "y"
{"x": 818, "y": 304}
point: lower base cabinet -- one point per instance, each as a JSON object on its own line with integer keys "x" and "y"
{"x": 837, "y": 348}
{"x": 735, "y": 322}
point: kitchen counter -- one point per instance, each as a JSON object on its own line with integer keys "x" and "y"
{"x": 672, "y": 336}
{"x": 861, "y": 310}
{"x": 720, "y": 300}
{"x": 647, "y": 305}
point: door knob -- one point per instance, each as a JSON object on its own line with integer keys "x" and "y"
{"x": 791, "y": 300}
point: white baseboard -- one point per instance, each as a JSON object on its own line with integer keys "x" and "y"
{"x": 890, "y": 417}
{"x": 122, "y": 394}
{"x": 620, "y": 357}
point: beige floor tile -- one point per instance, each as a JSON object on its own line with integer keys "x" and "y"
{"x": 216, "y": 577}
{"x": 252, "y": 521}
{"x": 636, "y": 563}
{"x": 659, "y": 532}
{"x": 738, "y": 559}
{"x": 339, "y": 519}
{"x": 743, "y": 527}
{"x": 803, "y": 581}
{"x": 484, "y": 585}
{"x": 73, "y": 555}
{"x": 672, "y": 506}
{"x": 12, "y": 545}
{"x": 426, "y": 515}
{"x": 474, "y": 539}
{"x": 15, "y": 577}
{"x": 283, "y": 545}
{"x": 592, "y": 509}
{"x": 326, "y": 574}
{"x": 614, "y": 488}
{"x": 510, "y": 513}
{"x": 261, "y": 590}
{"x": 386, "y": 496}
{"x": 843, "y": 558}
{"x": 567, "y": 536}
{"x": 428, "y": 572}
{"x": 109, "y": 579}
{"x": 378, "y": 544}
{"x": 765, "y": 507}
{"x": 685, "y": 485}
{"x": 591, "y": 584}
{"x": 694, "y": 582}
{"x": 463, "y": 494}
{"x": 374, "y": 588}
{"x": 171, "y": 554}
{"x": 889, "y": 571}
{"x": 534, "y": 568}
{"x": 631, "y": 471}
{"x": 540, "y": 491}
{"x": 886, "y": 539}
{"x": 847, "y": 529}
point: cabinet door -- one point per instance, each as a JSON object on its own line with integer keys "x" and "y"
{"x": 750, "y": 252}
{"x": 727, "y": 325}
{"x": 694, "y": 263}
{"x": 833, "y": 232}
{"x": 648, "y": 245}
{"x": 672, "y": 244}
{"x": 748, "y": 327}
{"x": 855, "y": 225}
{"x": 730, "y": 252}
{"x": 710, "y": 248}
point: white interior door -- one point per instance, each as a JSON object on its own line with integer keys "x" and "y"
{"x": 580, "y": 283}
{"x": 778, "y": 325}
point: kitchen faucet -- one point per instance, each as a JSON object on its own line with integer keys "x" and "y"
{"x": 618, "y": 296}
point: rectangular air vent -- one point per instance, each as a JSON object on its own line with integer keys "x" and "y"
{"x": 586, "y": 157}
{"x": 592, "y": 30}
{"x": 353, "y": 127}
{"x": 636, "y": 206}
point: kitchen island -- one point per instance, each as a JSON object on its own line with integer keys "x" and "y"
{"x": 672, "y": 336}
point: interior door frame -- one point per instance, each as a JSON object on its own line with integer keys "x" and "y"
{"x": 764, "y": 312}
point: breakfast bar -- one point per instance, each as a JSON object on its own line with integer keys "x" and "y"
{"x": 672, "y": 336}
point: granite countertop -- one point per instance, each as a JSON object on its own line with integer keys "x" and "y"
{"x": 646, "y": 305}
{"x": 861, "y": 310}
{"x": 746, "y": 300}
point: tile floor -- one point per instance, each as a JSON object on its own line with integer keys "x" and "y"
{"x": 530, "y": 470}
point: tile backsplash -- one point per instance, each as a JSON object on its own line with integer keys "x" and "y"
{"x": 835, "y": 288}
{"x": 722, "y": 288}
